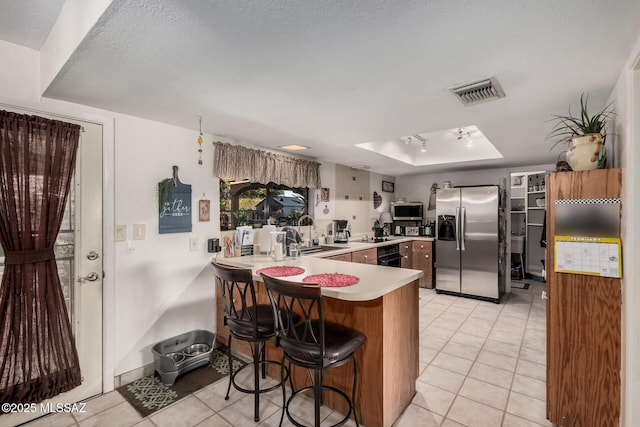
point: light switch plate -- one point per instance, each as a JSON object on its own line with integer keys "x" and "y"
{"x": 139, "y": 232}
{"x": 193, "y": 244}
{"x": 120, "y": 233}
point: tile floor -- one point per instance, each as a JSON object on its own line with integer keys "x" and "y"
{"x": 481, "y": 364}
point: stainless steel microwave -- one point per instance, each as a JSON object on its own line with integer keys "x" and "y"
{"x": 407, "y": 211}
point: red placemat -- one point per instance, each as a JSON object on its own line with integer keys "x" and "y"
{"x": 332, "y": 280}
{"x": 281, "y": 271}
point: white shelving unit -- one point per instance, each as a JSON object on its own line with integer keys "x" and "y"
{"x": 526, "y": 223}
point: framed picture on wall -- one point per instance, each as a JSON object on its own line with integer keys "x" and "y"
{"x": 204, "y": 210}
{"x": 388, "y": 186}
{"x": 324, "y": 194}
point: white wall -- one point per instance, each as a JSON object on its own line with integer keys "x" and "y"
{"x": 363, "y": 210}
{"x": 375, "y": 185}
{"x": 162, "y": 289}
{"x": 626, "y": 133}
{"x": 19, "y": 73}
{"x": 318, "y": 208}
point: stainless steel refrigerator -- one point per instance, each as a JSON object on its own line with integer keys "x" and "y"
{"x": 470, "y": 241}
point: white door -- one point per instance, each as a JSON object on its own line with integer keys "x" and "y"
{"x": 79, "y": 251}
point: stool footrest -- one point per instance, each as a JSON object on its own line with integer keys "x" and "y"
{"x": 265, "y": 390}
{"x": 296, "y": 393}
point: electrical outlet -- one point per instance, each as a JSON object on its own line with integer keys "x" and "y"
{"x": 120, "y": 233}
{"x": 193, "y": 244}
{"x": 139, "y": 231}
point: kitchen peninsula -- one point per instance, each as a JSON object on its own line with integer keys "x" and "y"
{"x": 383, "y": 305}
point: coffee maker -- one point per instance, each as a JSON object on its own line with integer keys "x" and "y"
{"x": 342, "y": 233}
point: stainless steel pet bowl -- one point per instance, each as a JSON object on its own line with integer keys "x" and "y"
{"x": 195, "y": 349}
{"x": 176, "y": 357}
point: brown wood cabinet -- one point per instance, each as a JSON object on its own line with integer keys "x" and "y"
{"x": 422, "y": 259}
{"x": 367, "y": 256}
{"x": 583, "y": 320}
{"x": 341, "y": 257}
{"x": 405, "y": 253}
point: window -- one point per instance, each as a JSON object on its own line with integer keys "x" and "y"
{"x": 252, "y": 203}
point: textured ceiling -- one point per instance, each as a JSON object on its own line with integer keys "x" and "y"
{"x": 337, "y": 73}
{"x": 28, "y": 22}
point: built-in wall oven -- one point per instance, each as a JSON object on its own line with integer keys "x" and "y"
{"x": 389, "y": 255}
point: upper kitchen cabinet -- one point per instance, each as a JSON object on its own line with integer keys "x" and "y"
{"x": 351, "y": 184}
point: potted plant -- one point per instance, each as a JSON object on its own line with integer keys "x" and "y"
{"x": 242, "y": 217}
{"x": 585, "y": 135}
{"x": 294, "y": 216}
{"x": 165, "y": 193}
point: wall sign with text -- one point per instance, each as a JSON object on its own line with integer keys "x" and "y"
{"x": 175, "y": 215}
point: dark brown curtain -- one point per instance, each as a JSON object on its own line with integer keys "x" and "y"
{"x": 38, "y": 357}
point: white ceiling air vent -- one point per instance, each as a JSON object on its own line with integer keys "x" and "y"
{"x": 478, "y": 91}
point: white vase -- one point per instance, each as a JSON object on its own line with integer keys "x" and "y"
{"x": 586, "y": 152}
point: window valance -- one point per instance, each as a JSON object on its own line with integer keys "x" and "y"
{"x": 237, "y": 162}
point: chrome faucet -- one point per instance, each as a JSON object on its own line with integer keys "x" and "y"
{"x": 313, "y": 224}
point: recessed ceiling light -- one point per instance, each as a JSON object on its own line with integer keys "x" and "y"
{"x": 448, "y": 146}
{"x": 293, "y": 147}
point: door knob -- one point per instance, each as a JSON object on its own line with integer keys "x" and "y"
{"x": 91, "y": 277}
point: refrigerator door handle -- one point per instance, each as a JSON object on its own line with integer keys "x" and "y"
{"x": 458, "y": 229}
{"x": 463, "y": 218}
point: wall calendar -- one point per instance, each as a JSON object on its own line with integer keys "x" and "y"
{"x": 587, "y": 237}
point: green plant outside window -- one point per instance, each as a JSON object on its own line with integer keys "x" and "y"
{"x": 247, "y": 203}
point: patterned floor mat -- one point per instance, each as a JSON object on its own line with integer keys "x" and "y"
{"x": 148, "y": 394}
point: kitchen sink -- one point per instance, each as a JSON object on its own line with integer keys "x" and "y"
{"x": 318, "y": 249}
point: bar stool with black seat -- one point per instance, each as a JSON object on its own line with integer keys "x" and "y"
{"x": 311, "y": 342}
{"x": 250, "y": 322}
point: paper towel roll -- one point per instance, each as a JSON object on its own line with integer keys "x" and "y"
{"x": 265, "y": 238}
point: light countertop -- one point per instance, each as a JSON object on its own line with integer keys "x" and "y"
{"x": 375, "y": 281}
